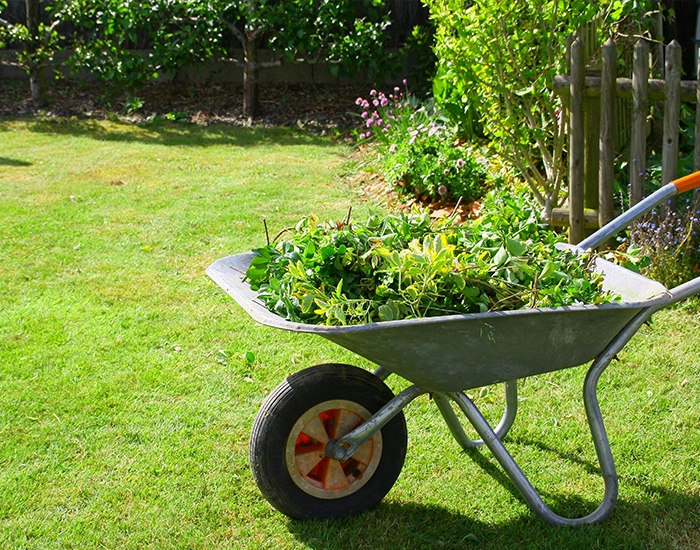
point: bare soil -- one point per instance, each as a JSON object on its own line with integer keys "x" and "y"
{"x": 319, "y": 108}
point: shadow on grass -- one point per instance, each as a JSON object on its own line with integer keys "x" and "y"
{"x": 670, "y": 520}
{"x": 664, "y": 519}
{"x": 4, "y": 161}
{"x": 177, "y": 134}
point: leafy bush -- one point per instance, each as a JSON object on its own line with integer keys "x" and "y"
{"x": 420, "y": 154}
{"x": 429, "y": 164}
{"x": 671, "y": 244}
{"x": 496, "y": 63}
{"x": 406, "y": 266}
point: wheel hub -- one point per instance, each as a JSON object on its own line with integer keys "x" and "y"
{"x": 312, "y": 469}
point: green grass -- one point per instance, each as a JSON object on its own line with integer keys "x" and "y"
{"x": 125, "y": 403}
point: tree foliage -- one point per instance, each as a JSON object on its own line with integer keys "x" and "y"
{"x": 36, "y": 43}
{"x": 347, "y": 33}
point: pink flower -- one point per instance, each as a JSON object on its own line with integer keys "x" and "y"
{"x": 359, "y": 101}
{"x": 365, "y": 114}
{"x": 442, "y": 191}
{"x": 392, "y": 149}
{"x": 375, "y": 102}
{"x": 397, "y": 89}
{"x": 373, "y": 93}
{"x": 384, "y": 101}
{"x": 460, "y": 163}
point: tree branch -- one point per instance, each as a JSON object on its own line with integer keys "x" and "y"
{"x": 49, "y": 32}
{"x": 235, "y": 30}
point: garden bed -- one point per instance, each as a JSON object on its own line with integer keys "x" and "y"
{"x": 319, "y": 108}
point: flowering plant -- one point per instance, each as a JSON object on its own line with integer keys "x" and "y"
{"x": 671, "y": 243}
{"x": 419, "y": 152}
{"x": 386, "y": 116}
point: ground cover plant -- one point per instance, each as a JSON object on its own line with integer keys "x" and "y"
{"x": 408, "y": 265}
{"x": 129, "y": 381}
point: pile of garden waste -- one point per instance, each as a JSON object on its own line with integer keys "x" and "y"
{"x": 407, "y": 265}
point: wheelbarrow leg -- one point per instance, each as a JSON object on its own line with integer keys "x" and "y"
{"x": 530, "y": 494}
{"x": 455, "y": 426}
{"x": 595, "y": 422}
{"x": 600, "y": 440}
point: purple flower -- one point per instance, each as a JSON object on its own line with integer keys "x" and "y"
{"x": 442, "y": 190}
{"x": 375, "y": 102}
{"x": 384, "y": 101}
{"x": 365, "y": 114}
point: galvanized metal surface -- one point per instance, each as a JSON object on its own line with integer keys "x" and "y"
{"x": 453, "y": 423}
{"x": 459, "y": 352}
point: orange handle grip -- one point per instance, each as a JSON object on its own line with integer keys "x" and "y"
{"x": 686, "y": 183}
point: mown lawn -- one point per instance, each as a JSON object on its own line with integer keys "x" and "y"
{"x": 126, "y": 401}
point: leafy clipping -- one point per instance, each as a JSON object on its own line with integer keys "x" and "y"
{"x": 405, "y": 266}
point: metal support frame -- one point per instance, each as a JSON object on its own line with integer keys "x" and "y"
{"x": 455, "y": 426}
{"x": 595, "y": 421}
{"x": 343, "y": 448}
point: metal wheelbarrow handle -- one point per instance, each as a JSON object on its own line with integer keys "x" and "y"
{"x": 665, "y": 193}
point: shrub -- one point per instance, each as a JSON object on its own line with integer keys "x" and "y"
{"x": 496, "y": 60}
{"x": 419, "y": 152}
{"x": 431, "y": 165}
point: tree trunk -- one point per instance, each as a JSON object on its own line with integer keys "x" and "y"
{"x": 36, "y": 73}
{"x": 36, "y": 85}
{"x": 251, "y": 67}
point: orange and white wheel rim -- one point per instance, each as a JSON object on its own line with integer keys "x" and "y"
{"x": 317, "y": 474}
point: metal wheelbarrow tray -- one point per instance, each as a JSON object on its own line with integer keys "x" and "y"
{"x": 331, "y": 440}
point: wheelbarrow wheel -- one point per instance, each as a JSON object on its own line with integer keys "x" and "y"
{"x": 287, "y": 444}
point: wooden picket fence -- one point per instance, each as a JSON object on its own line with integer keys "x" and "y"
{"x": 595, "y": 105}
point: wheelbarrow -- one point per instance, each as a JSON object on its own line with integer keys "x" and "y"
{"x": 331, "y": 440}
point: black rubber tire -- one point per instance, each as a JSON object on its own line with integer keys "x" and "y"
{"x": 287, "y": 404}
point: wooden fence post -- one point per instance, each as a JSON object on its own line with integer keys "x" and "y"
{"x": 672, "y": 111}
{"x": 576, "y": 143}
{"x": 640, "y": 107}
{"x": 608, "y": 95}
{"x": 696, "y": 159}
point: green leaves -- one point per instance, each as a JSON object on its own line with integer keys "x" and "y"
{"x": 404, "y": 266}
